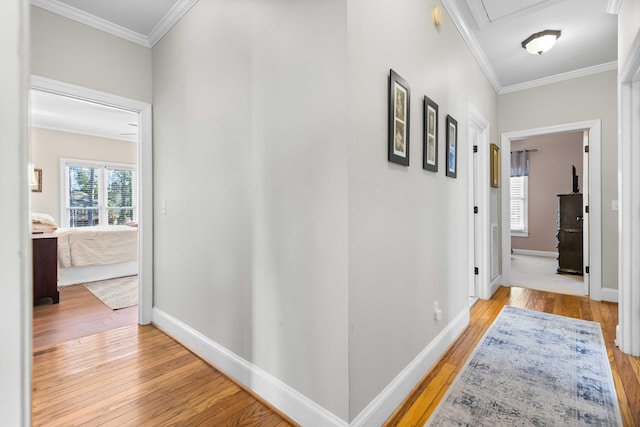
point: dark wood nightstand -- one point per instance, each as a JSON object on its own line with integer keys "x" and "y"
{"x": 45, "y": 267}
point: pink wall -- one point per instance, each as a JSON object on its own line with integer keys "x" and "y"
{"x": 549, "y": 175}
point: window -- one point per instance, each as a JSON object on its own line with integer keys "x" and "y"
{"x": 519, "y": 205}
{"x": 98, "y": 193}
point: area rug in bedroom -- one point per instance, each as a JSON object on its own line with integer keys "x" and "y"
{"x": 533, "y": 369}
{"x": 116, "y": 293}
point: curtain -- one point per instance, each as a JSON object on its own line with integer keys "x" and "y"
{"x": 519, "y": 163}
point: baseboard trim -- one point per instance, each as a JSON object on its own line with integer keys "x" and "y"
{"x": 381, "y": 408}
{"x": 495, "y": 284}
{"x": 609, "y": 294}
{"x": 295, "y": 405}
{"x": 535, "y": 253}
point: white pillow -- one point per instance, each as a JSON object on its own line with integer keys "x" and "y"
{"x": 43, "y": 222}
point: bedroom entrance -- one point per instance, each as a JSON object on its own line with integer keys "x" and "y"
{"x": 564, "y": 248}
{"x": 91, "y": 157}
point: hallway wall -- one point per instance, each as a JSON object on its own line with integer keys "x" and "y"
{"x": 585, "y": 98}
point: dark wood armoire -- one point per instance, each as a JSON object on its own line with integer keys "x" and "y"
{"x": 570, "y": 220}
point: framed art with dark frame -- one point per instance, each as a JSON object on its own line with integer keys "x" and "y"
{"x": 452, "y": 147}
{"x": 430, "y": 136}
{"x": 399, "y": 101}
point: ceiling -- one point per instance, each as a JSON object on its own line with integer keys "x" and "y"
{"x": 66, "y": 114}
{"x": 493, "y": 30}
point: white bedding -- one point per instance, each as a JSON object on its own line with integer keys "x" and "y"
{"x": 85, "y": 246}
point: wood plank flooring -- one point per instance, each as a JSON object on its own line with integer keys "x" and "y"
{"x": 95, "y": 367}
{"x": 78, "y": 314}
{"x": 419, "y": 405}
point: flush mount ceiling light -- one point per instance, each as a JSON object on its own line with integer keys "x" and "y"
{"x": 539, "y": 43}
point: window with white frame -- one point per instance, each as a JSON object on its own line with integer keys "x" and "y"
{"x": 519, "y": 182}
{"x": 98, "y": 193}
{"x": 519, "y": 205}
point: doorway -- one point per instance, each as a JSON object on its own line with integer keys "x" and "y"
{"x": 591, "y": 188}
{"x": 480, "y": 272}
{"x": 144, "y": 181}
{"x": 548, "y": 196}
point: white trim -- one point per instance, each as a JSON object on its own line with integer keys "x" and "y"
{"x": 519, "y": 234}
{"x": 91, "y": 20}
{"x": 472, "y": 43}
{"x": 166, "y": 23}
{"x": 291, "y": 402}
{"x": 477, "y": 122}
{"x": 145, "y": 177}
{"x": 560, "y": 77}
{"x": 294, "y": 404}
{"x": 169, "y": 20}
{"x": 546, "y": 254}
{"x": 628, "y": 330}
{"x": 383, "y": 405}
{"x": 595, "y": 207}
{"x": 495, "y": 284}
{"x": 613, "y": 7}
{"x": 609, "y": 294}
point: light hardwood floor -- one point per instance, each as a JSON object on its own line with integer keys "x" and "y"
{"x": 94, "y": 366}
{"x": 626, "y": 369}
{"x": 103, "y": 369}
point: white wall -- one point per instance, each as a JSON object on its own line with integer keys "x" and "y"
{"x": 407, "y": 226}
{"x": 628, "y": 27}
{"x": 71, "y": 52}
{"x": 15, "y": 245}
{"x": 49, "y": 146}
{"x": 250, "y": 156}
{"x": 581, "y": 99}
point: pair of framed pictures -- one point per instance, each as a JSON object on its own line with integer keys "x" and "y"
{"x": 399, "y": 101}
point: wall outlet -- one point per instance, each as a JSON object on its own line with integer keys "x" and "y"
{"x": 436, "y": 310}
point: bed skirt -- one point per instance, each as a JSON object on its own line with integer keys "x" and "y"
{"x": 92, "y": 273}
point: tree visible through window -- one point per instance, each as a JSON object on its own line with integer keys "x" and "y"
{"x": 98, "y": 193}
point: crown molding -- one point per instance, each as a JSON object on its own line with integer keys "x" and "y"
{"x": 93, "y": 21}
{"x": 472, "y": 43}
{"x": 169, "y": 20}
{"x": 560, "y": 77}
{"x": 613, "y": 7}
{"x": 165, "y": 24}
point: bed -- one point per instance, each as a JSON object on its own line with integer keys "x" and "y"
{"x": 88, "y": 254}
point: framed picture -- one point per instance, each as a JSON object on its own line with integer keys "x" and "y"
{"x": 452, "y": 147}
{"x": 495, "y": 165}
{"x": 399, "y": 101}
{"x": 430, "y": 138}
{"x": 36, "y": 181}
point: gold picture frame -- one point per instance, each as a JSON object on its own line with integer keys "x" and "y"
{"x": 36, "y": 185}
{"x": 495, "y": 165}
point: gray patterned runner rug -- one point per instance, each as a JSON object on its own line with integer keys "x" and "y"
{"x": 533, "y": 369}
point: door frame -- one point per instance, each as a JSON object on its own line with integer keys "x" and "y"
{"x": 595, "y": 205}
{"x": 145, "y": 177}
{"x": 628, "y": 329}
{"x": 479, "y": 237}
